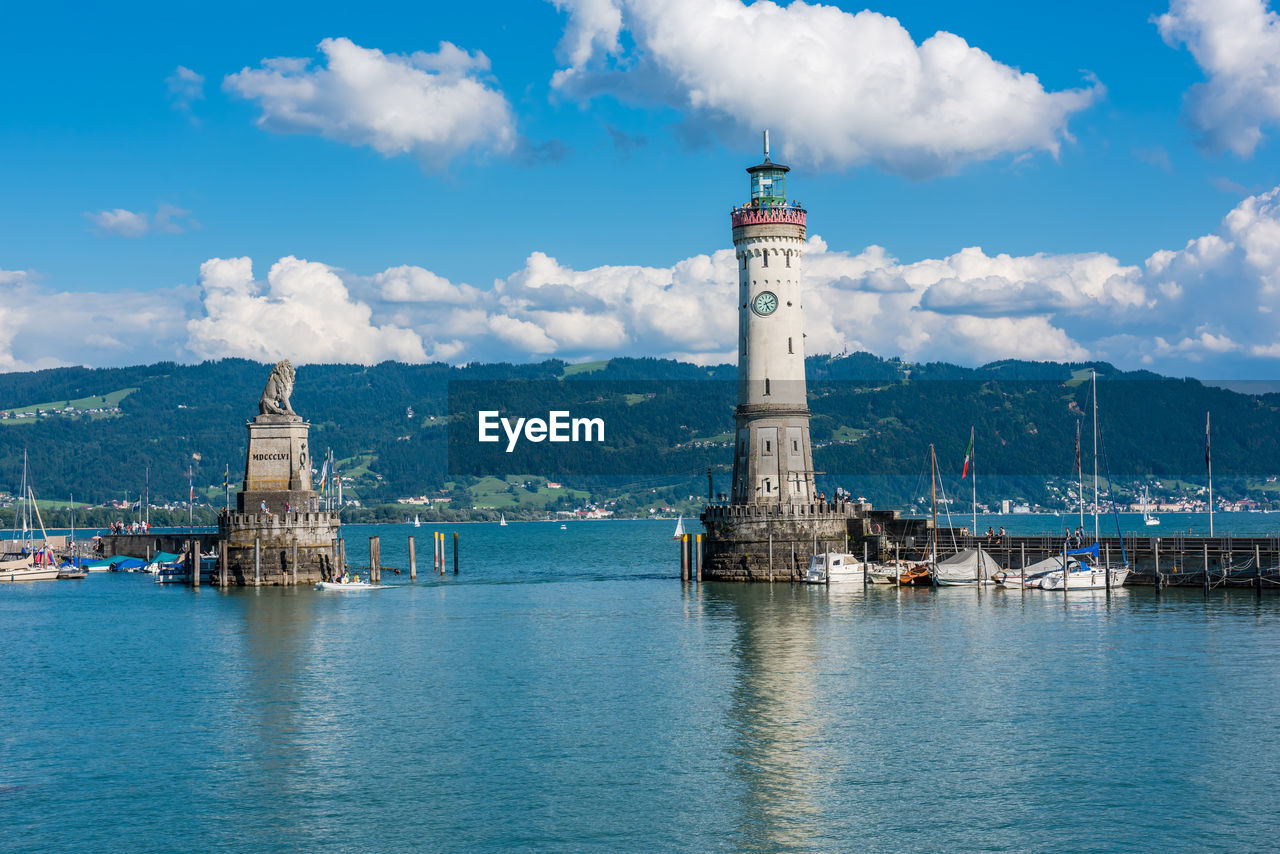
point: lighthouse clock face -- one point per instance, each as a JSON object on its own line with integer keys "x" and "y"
{"x": 765, "y": 304}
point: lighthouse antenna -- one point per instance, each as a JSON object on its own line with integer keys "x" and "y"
{"x": 766, "y": 146}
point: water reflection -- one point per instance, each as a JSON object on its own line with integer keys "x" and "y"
{"x": 773, "y": 714}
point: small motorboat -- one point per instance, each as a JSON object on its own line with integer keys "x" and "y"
{"x": 834, "y": 568}
{"x": 347, "y": 585}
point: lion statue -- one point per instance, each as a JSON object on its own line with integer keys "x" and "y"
{"x": 275, "y": 397}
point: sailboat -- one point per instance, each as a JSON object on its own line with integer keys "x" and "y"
{"x": 679, "y": 529}
{"x": 417, "y": 523}
{"x": 1146, "y": 516}
{"x": 1086, "y": 572}
{"x": 502, "y": 520}
{"x": 28, "y": 565}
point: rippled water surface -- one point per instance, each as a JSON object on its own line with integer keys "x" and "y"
{"x": 565, "y": 692}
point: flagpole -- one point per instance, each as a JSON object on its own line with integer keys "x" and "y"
{"x": 1208, "y": 461}
{"x": 974, "y": 483}
{"x": 226, "y": 484}
{"x": 1095, "y": 461}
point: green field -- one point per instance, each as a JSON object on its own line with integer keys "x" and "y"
{"x": 497, "y": 493}
{"x": 107, "y": 401}
{"x": 584, "y": 368}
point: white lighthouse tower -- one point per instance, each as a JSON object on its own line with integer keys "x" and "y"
{"x": 773, "y": 462}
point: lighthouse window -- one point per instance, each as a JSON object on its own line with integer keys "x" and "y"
{"x": 795, "y": 446}
{"x": 768, "y": 487}
{"x": 766, "y": 385}
{"x": 744, "y": 262}
{"x": 788, "y": 257}
{"x": 766, "y": 257}
{"x": 789, "y": 350}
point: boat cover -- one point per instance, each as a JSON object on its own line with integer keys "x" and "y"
{"x": 964, "y": 565}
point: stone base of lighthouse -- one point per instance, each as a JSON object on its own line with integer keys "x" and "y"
{"x": 773, "y": 542}
{"x": 278, "y": 548}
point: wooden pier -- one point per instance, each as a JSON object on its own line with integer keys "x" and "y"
{"x": 1179, "y": 559}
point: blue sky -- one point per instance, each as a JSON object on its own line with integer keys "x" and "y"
{"x": 328, "y": 182}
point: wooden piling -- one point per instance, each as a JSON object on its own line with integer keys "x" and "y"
{"x": 342, "y": 555}
{"x": 1156, "y": 551}
{"x": 1206, "y": 569}
{"x": 413, "y": 561}
{"x": 257, "y": 561}
{"x": 193, "y": 548}
{"x": 455, "y": 552}
{"x": 897, "y": 565}
{"x": 1023, "y": 571}
{"x": 771, "y": 555}
{"x": 224, "y": 581}
{"x": 865, "y": 579}
{"x": 375, "y": 559}
{"x": 1257, "y": 570}
{"x": 684, "y": 560}
{"x": 697, "y": 557}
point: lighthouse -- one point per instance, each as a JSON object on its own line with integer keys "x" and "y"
{"x": 773, "y": 461}
{"x": 774, "y": 522}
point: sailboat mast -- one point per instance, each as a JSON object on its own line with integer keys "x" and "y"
{"x": 933, "y": 494}
{"x": 1095, "y": 455}
{"x": 1208, "y": 461}
{"x": 1079, "y": 475}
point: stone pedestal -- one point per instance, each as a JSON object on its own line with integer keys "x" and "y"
{"x": 756, "y": 542}
{"x": 277, "y": 469}
{"x": 279, "y": 514}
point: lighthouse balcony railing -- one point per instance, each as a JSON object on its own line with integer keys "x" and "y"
{"x": 768, "y": 214}
{"x": 714, "y": 512}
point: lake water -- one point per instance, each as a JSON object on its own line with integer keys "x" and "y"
{"x": 566, "y": 693}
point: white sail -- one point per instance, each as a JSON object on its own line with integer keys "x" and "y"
{"x": 679, "y": 529}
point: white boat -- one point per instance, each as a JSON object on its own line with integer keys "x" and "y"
{"x": 417, "y": 523}
{"x": 176, "y": 572}
{"x": 30, "y": 564}
{"x": 1085, "y": 575}
{"x": 834, "y": 568}
{"x": 564, "y": 527}
{"x": 966, "y": 568}
{"x": 1147, "y": 518}
{"x": 679, "y": 529}
{"x": 883, "y": 574}
{"x": 346, "y": 586}
{"x": 502, "y": 520}
{"x": 1031, "y": 575}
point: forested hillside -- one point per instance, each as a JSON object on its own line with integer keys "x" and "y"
{"x": 98, "y": 431}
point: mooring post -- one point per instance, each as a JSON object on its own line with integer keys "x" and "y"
{"x": 413, "y": 561}
{"x": 222, "y": 563}
{"x": 1065, "y": 575}
{"x": 1106, "y": 564}
{"x": 193, "y": 547}
{"x": 1257, "y": 570}
{"x": 455, "y": 552}
{"x": 697, "y": 557}
{"x": 897, "y": 566}
{"x": 440, "y": 545}
{"x": 771, "y": 556}
{"x": 793, "y": 561}
{"x": 684, "y": 560}
{"x": 864, "y": 563}
{"x": 293, "y": 567}
{"x": 342, "y": 556}
{"x": 374, "y": 559}
{"x": 1156, "y": 552}
{"x": 1206, "y": 567}
{"x": 257, "y": 561}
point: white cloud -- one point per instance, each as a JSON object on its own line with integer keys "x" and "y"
{"x": 124, "y": 223}
{"x": 1208, "y": 309}
{"x": 433, "y": 106}
{"x": 185, "y": 88}
{"x": 304, "y": 312}
{"x": 94, "y": 328}
{"x": 843, "y": 89}
{"x": 1237, "y": 44}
